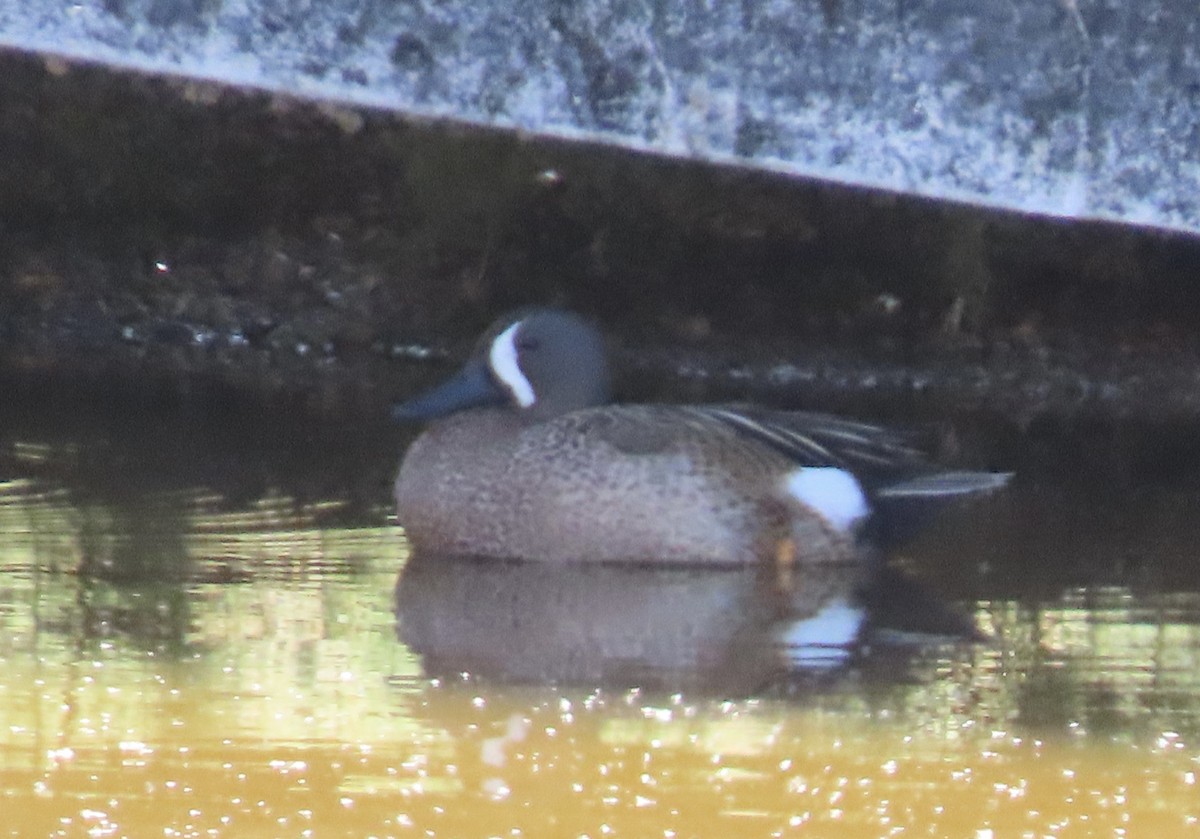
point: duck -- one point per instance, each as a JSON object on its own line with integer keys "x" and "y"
{"x": 526, "y": 457}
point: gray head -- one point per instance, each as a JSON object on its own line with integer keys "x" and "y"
{"x": 541, "y": 362}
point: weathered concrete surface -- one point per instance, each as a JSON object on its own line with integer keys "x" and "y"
{"x": 160, "y": 230}
{"x": 1088, "y": 109}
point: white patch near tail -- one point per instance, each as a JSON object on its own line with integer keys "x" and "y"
{"x": 834, "y": 494}
{"x": 503, "y": 360}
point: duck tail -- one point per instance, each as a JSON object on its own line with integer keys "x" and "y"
{"x": 904, "y": 508}
{"x": 944, "y": 485}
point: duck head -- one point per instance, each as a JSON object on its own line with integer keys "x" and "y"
{"x": 540, "y": 363}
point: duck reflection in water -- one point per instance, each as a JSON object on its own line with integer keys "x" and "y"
{"x": 527, "y": 459}
{"x": 727, "y": 631}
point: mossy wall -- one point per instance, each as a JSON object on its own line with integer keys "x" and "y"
{"x": 173, "y": 229}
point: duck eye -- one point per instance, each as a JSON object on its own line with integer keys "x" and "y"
{"x": 528, "y": 343}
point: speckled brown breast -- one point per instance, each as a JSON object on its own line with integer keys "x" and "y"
{"x": 609, "y": 484}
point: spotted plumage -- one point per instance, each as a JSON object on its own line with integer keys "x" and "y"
{"x": 527, "y": 459}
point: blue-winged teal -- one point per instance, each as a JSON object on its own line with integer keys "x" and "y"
{"x": 529, "y": 460}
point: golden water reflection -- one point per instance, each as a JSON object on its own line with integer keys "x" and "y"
{"x": 258, "y": 688}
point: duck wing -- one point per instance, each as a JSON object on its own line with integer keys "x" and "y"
{"x": 890, "y": 461}
{"x": 815, "y": 439}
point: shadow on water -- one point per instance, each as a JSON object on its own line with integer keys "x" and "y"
{"x": 124, "y": 484}
{"x": 116, "y": 503}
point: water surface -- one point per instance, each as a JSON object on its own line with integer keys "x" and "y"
{"x": 198, "y": 637}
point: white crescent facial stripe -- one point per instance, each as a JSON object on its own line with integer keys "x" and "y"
{"x": 832, "y": 493}
{"x": 502, "y": 358}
